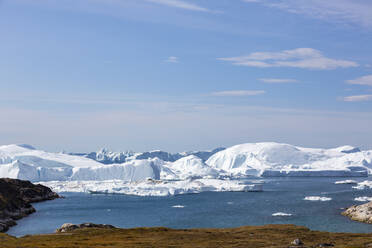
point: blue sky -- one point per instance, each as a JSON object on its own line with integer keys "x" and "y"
{"x": 185, "y": 74}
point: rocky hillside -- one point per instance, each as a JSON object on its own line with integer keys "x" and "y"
{"x": 16, "y": 197}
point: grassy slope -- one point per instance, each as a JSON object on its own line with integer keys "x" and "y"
{"x": 247, "y": 237}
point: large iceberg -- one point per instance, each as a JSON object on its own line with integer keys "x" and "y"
{"x": 151, "y": 187}
{"x": 274, "y": 159}
{"x": 182, "y": 175}
{"x": 35, "y": 165}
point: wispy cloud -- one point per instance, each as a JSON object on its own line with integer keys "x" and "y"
{"x": 340, "y": 11}
{"x": 172, "y": 59}
{"x": 365, "y": 80}
{"x": 278, "y": 80}
{"x": 180, "y": 4}
{"x": 305, "y": 58}
{"x": 358, "y": 98}
{"x": 238, "y": 93}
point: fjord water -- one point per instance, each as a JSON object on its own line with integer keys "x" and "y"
{"x": 209, "y": 209}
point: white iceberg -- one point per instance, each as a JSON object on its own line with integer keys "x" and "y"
{"x": 346, "y": 182}
{"x": 363, "y": 199}
{"x": 188, "y": 174}
{"x": 317, "y": 198}
{"x": 274, "y": 159}
{"x": 152, "y": 187}
{"x": 281, "y": 214}
{"x": 363, "y": 185}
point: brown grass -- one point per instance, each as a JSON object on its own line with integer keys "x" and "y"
{"x": 244, "y": 237}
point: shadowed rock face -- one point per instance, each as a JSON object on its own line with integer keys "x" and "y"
{"x": 362, "y": 213}
{"x": 16, "y": 197}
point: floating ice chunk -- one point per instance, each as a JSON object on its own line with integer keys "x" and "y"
{"x": 317, "y": 198}
{"x": 178, "y": 206}
{"x": 363, "y": 185}
{"x": 281, "y": 214}
{"x": 346, "y": 182}
{"x": 363, "y": 199}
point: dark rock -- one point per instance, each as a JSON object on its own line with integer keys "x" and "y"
{"x": 68, "y": 227}
{"x": 326, "y": 245}
{"x": 16, "y": 197}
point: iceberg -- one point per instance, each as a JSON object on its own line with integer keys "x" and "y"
{"x": 30, "y": 164}
{"x": 363, "y": 185}
{"x": 363, "y": 199}
{"x": 281, "y": 214}
{"x": 346, "y": 182}
{"x": 179, "y": 173}
{"x": 317, "y": 198}
{"x": 278, "y": 160}
{"x": 152, "y": 187}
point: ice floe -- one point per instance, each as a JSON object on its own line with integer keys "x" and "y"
{"x": 363, "y": 199}
{"x": 346, "y": 182}
{"x": 281, "y": 214}
{"x": 317, "y": 198}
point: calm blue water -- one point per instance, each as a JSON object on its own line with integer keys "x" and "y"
{"x": 225, "y": 209}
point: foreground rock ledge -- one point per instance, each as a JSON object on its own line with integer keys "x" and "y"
{"x": 270, "y": 236}
{"x": 362, "y": 213}
{"x": 16, "y": 197}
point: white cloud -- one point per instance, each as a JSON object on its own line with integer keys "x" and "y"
{"x": 180, "y": 4}
{"x": 172, "y": 59}
{"x": 278, "y": 80}
{"x": 340, "y": 11}
{"x": 365, "y": 80}
{"x": 238, "y": 93}
{"x": 305, "y": 58}
{"x": 358, "y": 98}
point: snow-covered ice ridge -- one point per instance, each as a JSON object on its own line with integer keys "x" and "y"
{"x": 252, "y": 159}
{"x": 192, "y": 172}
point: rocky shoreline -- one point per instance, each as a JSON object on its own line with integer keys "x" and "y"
{"x": 361, "y": 213}
{"x": 16, "y": 197}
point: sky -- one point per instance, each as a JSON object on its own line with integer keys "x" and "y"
{"x": 179, "y": 75}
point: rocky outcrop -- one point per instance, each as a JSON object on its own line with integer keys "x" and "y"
{"x": 362, "y": 213}
{"x": 68, "y": 227}
{"x": 16, "y": 197}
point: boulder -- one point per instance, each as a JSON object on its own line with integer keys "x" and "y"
{"x": 362, "y": 213}
{"x": 68, "y": 227}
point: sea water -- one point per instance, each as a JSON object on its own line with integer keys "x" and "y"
{"x": 209, "y": 209}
